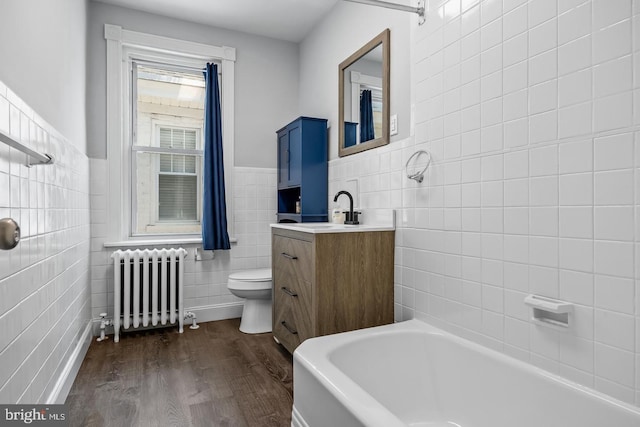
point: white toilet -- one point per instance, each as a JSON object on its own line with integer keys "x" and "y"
{"x": 255, "y": 287}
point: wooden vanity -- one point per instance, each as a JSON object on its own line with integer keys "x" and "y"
{"x": 330, "y": 278}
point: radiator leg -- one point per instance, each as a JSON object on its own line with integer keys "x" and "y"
{"x": 104, "y": 322}
{"x": 192, "y": 316}
{"x": 116, "y": 329}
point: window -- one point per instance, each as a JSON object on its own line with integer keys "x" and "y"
{"x": 167, "y": 106}
{"x": 178, "y": 177}
{"x": 155, "y": 110}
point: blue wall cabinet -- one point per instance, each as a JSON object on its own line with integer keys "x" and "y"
{"x": 302, "y": 171}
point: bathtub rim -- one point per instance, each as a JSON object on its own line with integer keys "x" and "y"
{"x": 315, "y": 356}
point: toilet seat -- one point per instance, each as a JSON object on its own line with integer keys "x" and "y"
{"x": 258, "y": 279}
{"x": 258, "y": 275}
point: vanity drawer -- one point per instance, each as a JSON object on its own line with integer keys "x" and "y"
{"x": 284, "y": 327}
{"x": 293, "y": 297}
{"x": 293, "y": 257}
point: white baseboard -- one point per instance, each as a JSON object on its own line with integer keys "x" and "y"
{"x": 68, "y": 375}
{"x": 205, "y": 313}
{"x": 209, "y": 313}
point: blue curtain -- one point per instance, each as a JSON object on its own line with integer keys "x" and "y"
{"x": 214, "y": 211}
{"x": 367, "y": 131}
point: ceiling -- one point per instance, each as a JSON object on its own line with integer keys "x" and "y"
{"x": 289, "y": 20}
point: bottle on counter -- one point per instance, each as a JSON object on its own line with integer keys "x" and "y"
{"x": 337, "y": 216}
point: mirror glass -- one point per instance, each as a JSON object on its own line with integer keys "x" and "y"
{"x": 364, "y": 97}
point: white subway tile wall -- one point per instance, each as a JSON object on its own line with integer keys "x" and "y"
{"x": 44, "y": 281}
{"x": 531, "y": 111}
{"x": 254, "y": 198}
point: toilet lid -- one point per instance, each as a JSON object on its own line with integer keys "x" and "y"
{"x": 258, "y": 275}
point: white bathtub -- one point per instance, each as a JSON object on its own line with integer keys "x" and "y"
{"x": 412, "y": 374}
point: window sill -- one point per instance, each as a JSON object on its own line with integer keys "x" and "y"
{"x": 158, "y": 242}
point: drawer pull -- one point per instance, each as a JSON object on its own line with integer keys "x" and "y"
{"x": 286, "y": 255}
{"x": 289, "y": 292}
{"x": 288, "y": 328}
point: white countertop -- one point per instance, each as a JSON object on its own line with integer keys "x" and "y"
{"x": 329, "y": 227}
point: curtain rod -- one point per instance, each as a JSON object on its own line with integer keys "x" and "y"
{"x": 188, "y": 69}
{"x": 42, "y": 159}
{"x": 419, "y": 10}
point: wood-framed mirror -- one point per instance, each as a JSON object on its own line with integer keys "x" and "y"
{"x": 363, "y": 97}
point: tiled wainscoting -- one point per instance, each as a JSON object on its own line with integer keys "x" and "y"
{"x": 531, "y": 111}
{"x": 254, "y": 199}
{"x": 44, "y": 281}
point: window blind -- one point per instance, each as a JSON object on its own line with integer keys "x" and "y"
{"x": 177, "y": 193}
{"x": 177, "y": 197}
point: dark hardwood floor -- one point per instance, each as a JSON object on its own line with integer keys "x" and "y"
{"x": 212, "y": 376}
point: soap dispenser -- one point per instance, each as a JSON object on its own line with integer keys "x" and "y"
{"x": 337, "y": 216}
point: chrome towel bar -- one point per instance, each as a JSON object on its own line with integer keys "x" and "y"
{"x": 41, "y": 159}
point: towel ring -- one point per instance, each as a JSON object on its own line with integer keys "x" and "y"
{"x": 419, "y": 175}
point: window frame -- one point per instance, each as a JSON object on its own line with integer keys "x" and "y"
{"x": 123, "y": 47}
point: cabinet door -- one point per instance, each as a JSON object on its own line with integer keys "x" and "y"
{"x": 295, "y": 154}
{"x": 283, "y": 158}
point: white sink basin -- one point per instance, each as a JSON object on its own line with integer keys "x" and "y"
{"x": 320, "y": 225}
{"x": 328, "y": 227}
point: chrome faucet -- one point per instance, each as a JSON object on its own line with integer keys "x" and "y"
{"x": 351, "y": 217}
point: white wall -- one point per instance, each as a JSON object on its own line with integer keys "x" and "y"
{"x": 265, "y": 78}
{"x": 346, "y": 28}
{"x": 44, "y": 281}
{"x": 43, "y": 51}
{"x": 531, "y": 111}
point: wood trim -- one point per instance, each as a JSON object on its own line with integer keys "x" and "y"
{"x": 162, "y": 43}
{"x": 383, "y": 38}
{"x": 120, "y": 44}
{"x": 229, "y": 133}
{"x": 115, "y": 135}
